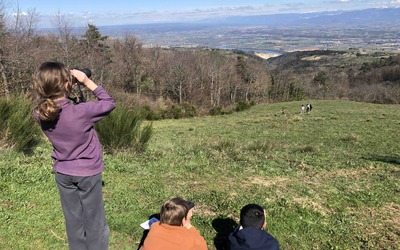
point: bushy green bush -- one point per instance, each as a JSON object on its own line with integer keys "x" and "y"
{"x": 175, "y": 111}
{"x": 149, "y": 114}
{"x": 18, "y": 125}
{"x": 219, "y": 111}
{"x": 189, "y": 110}
{"x": 5, "y": 112}
{"x": 242, "y": 105}
{"x": 122, "y": 129}
{"x": 184, "y": 110}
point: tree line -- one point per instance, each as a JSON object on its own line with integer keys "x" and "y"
{"x": 355, "y": 75}
{"x": 199, "y": 78}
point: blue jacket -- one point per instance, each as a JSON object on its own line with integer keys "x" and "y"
{"x": 252, "y": 238}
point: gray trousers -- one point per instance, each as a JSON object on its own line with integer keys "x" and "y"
{"x": 83, "y": 207}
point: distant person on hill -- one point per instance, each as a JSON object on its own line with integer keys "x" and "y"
{"x": 77, "y": 153}
{"x": 302, "y": 109}
{"x": 174, "y": 231}
{"x": 251, "y": 234}
{"x": 308, "y": 108}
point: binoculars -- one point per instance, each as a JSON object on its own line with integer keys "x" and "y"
{"x": 76, "y": 93}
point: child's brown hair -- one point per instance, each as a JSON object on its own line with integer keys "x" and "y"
{"x": 52, "y": 80}
{"x": 173, "y": 211}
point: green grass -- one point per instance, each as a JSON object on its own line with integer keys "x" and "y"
{"x": 328, "y": 179}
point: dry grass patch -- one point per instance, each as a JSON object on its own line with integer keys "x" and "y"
{"x": 296, "y": 118}
{"x": 204, "y": 211}
{"x": 384, "y": 232}
{"x": 348, "y": 172}
{"x": 314, "y": 204}
{"x": 269, "y": 182}
{"x": 394, "y": 212}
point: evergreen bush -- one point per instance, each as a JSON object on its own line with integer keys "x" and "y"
{"x": 170, "y": 112}
{"x": 184, "y": 110}
{"x": 122, "y": 129}
{"x": 242, "y": 105}
{"x": 18, "y": 125}
{"x": 149, "y": 114}
{"x": 189, "y": 110}
{"x": 5, "y": 112}
{"x": 219, "y": 111}
{"x": 175, "y": 111}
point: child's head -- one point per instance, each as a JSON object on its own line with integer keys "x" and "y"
{"x": 52, "y": 80}
{"x": 173, "y": 211}
{"x": 252, "y": 215}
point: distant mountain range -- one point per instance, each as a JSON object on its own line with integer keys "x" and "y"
{"x": 387, "y": 17}
{"x": 355, "y": 17}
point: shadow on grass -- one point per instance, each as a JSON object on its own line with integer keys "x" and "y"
{"x": 385, "y": 158}
{"x": 223, "y": 226}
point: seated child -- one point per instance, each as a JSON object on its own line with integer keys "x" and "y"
{"x": 174, "y": 231}
{"x": 251, "y": 234}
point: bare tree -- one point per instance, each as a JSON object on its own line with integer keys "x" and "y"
{"x": 66, "y": 43}
{"x": 155, "y": 64}
{"x": 179, "y": 76}
{"x": 212, "y": 75}
{"x": 3, "y": 34}
{"x": 20, "y": 46}
{"x": 259, "y": 89}
{"x": 127, "y": 63}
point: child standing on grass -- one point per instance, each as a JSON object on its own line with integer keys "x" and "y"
{"x": 77, "y": 153}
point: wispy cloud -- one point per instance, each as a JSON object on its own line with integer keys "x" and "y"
{"x": 19, "y": 13}
{"x": 292, "y": 7}
{"x": 113, "y": 18}
{"x": 341, "y": 1}
{"x": 390, "y": 3}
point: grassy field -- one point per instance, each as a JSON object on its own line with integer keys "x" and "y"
{"x": 328, "y": 179}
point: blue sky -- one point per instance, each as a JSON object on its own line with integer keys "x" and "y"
{"x": 113, "y": 12}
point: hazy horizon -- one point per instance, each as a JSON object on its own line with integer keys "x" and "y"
{"x": 120, "y": 12}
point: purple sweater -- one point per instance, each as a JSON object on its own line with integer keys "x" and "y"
{"x": 76, "y": 148}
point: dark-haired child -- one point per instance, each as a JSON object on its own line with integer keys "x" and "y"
{"x": 251, "y": 234}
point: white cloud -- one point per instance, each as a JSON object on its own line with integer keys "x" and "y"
{"x": 114, "y": 18}
{"x": 22, "y": 13}
{"x": 391, "y": 3}
{"x": 340, "y": 1}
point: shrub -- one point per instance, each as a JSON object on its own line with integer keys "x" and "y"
{"x": 144, "y": 137}
{"x": 5, "y": 112}
{"x": 215, "y": 110}
{"x": 242, "y": 105}
{"x": 149, "y": 114}
{"x": 18, "y": 125}
{"x": 219, "y": 111}
{"x": 178, "y": 111}
{"x": 175, "y": 111}
{"x": 122, "y": 129}
{"x": 189, "y": 110}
